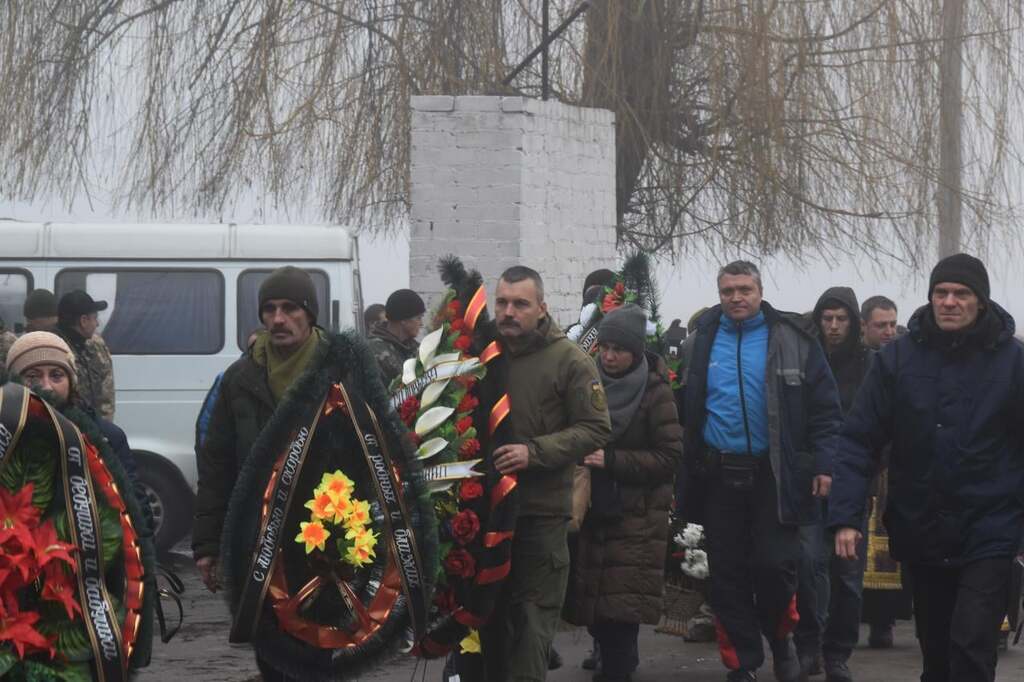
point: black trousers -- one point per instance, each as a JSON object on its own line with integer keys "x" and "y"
{"x": 618, "y": 644}
{"x": 753, "y": 561}
{"x": 958, "y": 613}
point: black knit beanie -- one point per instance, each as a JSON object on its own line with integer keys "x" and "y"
{"x": 626, "y": 327}
{"x": 293, "y": 284}
{"x": 962, "y": 269}
{"x": 404, "y": 304}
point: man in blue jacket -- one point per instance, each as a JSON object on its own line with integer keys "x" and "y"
{"x": 950, "y": 397}
{"x": 761, "y": 413}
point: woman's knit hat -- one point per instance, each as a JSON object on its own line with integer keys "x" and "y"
{"x": 41, "y": 348}
{"x": 626, "y": 327}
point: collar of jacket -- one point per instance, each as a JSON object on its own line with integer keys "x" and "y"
{"x": 74, "y": 339}
{"x": 380, "y": 331}
{"x": 993, "y": 327}
{"x": 732, "y": 326}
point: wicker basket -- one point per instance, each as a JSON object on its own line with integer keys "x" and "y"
{"x": 682, "y": 601}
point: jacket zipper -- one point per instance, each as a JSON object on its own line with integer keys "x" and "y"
{"x": 743, "y": 397}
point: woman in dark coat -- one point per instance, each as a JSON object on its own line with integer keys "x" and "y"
{"x": 617, "y": 582}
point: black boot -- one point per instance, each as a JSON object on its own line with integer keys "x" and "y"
{"x": 554, "y": 659}
{"x": 785, "y": 662}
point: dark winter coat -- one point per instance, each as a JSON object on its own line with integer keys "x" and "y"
{"x": 558, "y": 410}
{"x": 849, "y": 363}
{"x": 243, "y": 408}
{"x": 620, "y": 564}
{"x": 390, "y": 351}
{"x": 804, "y": 416}
{"x": 953, "y": 408}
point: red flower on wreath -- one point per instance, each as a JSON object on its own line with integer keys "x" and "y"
{"x": 465, "y": 526}
{"x": 471, "y": 489}
{"x": 17, "y": 515}
{"x": 460, "y": 563}
{"x": 458, "y": 325}
{"x": 408, "y": 410}
{"x": 464, "y": 424}
{"x": 462, "y": 343}
{"x": 467, "y": 404}
{"x": 17, "y": 629}
{"x": 468, "y": 449}
{"x": 455, "y": 309}
{"x": 467, "y": 381}
{"x": 57, "y": 587}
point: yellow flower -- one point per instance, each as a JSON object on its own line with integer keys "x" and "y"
{"x": 471, "y": 643}
{"x": 342, "y": 506}
{"x": 337, "y": 483}
{"x": 322, "y": 507}
{"x": 358, "y": 515}
{"x": 358, "y": 555}
{"x": 312, "y": 534}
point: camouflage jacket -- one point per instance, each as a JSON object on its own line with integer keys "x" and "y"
{"x": 7, "y": 340}
{"x": 95, "y": 370}
{"x": 390, "y": 352}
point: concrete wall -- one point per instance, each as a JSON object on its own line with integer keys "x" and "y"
{"x": 502, "y": 181}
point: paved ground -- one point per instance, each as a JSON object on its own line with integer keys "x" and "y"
{"x": 200, "y": 653}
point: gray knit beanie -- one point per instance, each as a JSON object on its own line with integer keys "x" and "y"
{"x": 626, "y": 327}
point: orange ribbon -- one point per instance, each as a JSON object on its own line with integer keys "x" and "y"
{"x": 492, "y": 351}
{"x": 493, "y": 575}
{"x": 495, "y": 539}
{"x": 477, "y": 304}
{"x": 501, "y": 409}
{"x": 335, "y": 400}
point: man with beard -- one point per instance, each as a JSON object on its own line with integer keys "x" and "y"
{"x": 949, "y": 396}
{"x": 559, "y": 415}
{"x": 760, "y": 414}
{"x": 829, "y": 598}
{"x": 250, "y": 391}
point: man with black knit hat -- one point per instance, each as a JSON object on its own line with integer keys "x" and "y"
{"x": 949, "y": 396}
{"x": 250, "y": 391}
{"x": 393, "y": 341}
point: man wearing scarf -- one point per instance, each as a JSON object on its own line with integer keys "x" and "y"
{"x": 250, "y": 391}
{"x": 949, "y": 396}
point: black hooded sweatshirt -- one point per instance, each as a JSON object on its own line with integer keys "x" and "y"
{"x": 849, "y": 362}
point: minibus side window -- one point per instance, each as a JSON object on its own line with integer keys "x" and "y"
{"x": 14, "y": 287}
{"x": 155, "y": 312}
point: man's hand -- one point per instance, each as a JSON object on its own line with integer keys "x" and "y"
{"x": 822, "y": 484}
{"x": 595, "y": 460}
{"x": 208, "y": 572}
{"x": 509, "y": 459}
{"x": 846, "y": 543}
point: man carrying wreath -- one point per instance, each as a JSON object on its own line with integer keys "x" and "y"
{"x": 558, "y": 415}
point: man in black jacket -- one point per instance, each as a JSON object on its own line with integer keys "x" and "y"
{"x": 829, "y": 598}
{"x": 950, "y": 397}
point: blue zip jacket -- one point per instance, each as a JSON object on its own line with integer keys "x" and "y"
{"x": 803, "y": 416}
{"x": 737, "y": 418}
{"x": 953, "y": 408}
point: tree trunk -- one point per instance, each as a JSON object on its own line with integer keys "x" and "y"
{"x": 950, "y": 127}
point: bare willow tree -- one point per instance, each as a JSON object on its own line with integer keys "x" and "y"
{"x": 769, "y": 125}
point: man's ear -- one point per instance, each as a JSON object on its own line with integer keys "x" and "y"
{"x": 543, "y": 309}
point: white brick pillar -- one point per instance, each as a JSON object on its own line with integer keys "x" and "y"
{"x": 501, "y": 181}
